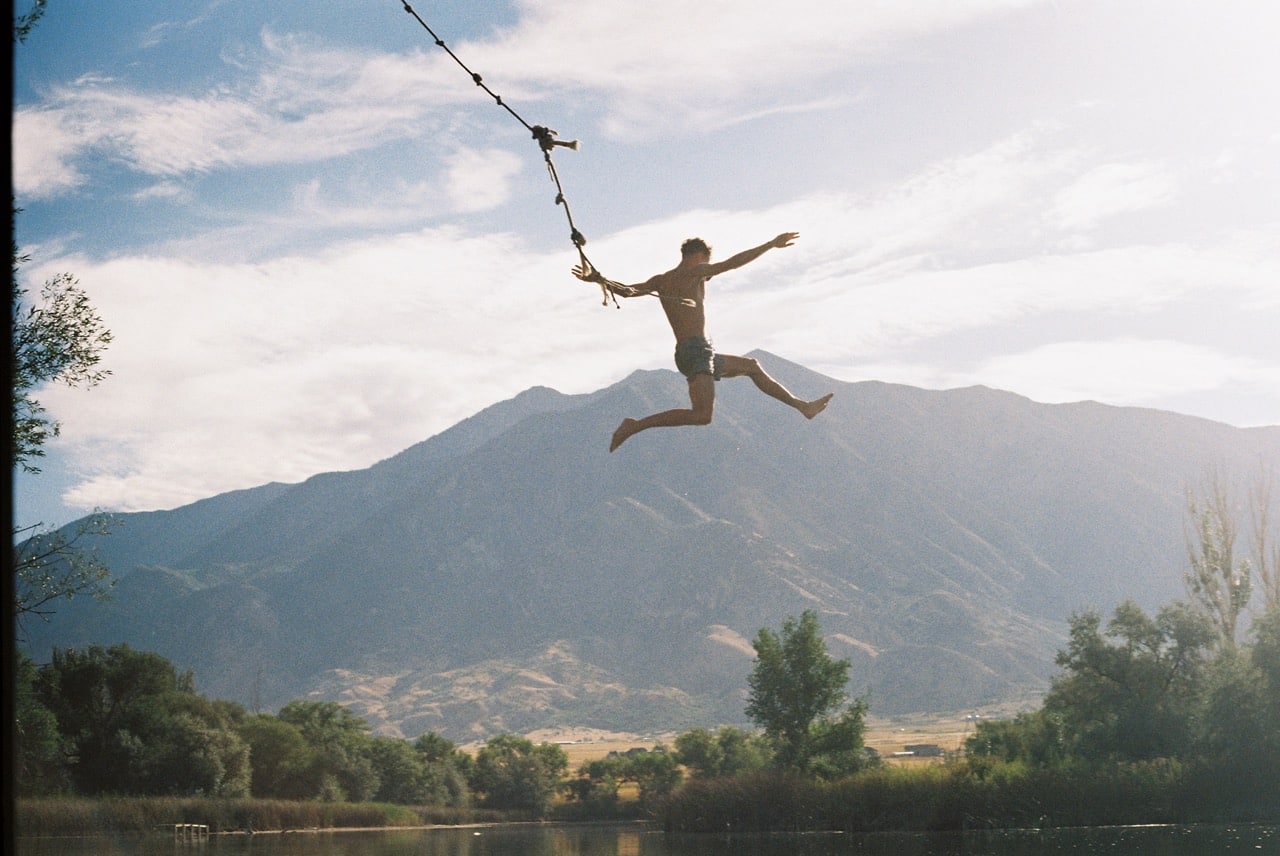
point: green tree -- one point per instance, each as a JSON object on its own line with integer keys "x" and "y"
{"x": 1233, "y": 722}
{"x": 598, "y": 781}
{"x": 1264, "y": 656}
{"x": 740, "y": 751}
{"x": 446, "y": 769}
{"x": 837, "y": 742}
{"x": 727, "y": 752}
{"x": 340, "y": 742}
{"x": 1134, "y": 698}
{"x": 511, "y": 772}
{"x": 401, "y": 771}
{"x": 104, "y": 703}
{"x": 194, "y": 749}
{"x": 796, "y": 689}
{"x": 1237, "y": 762}
{"x": 131, "y": 724}
{"x": 656, "y": 774}
{"x": 284, "y": 764}
{"x": 1033, "y": 738}
{"x": 58, "y": 339}
{"x": 700, "y": 752}
{"x": 39, "y": 765}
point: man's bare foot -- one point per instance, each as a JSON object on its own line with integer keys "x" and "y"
{"x": 811, "y": 409}
{"x": 625, "y": 430}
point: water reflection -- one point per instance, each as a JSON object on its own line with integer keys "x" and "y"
{"x": 638, "y": 840}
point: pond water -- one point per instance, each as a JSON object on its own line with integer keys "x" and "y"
{"x": 642, "y": 840}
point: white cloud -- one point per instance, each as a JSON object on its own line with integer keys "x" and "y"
{"x": 228, "y": 376}
{"x": 1112, "y": 189}
{"x": 43, "y": 150}
{"x": 1123, "y": 371}
{"x": 480, "y": 180}
{"x": 704, "y": 63}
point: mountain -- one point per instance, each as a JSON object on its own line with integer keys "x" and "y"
{"x": 509, "y": 574}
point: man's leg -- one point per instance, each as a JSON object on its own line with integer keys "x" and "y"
{"x": 702, "y": 401}
{"x": 740, "y": 366}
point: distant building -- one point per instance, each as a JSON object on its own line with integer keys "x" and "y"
{"x": 925, "y": 750}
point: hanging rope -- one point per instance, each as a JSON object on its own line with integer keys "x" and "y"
{"x": 547, "y": 141}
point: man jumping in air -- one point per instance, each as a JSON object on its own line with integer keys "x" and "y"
{"x": 682, "y": 291}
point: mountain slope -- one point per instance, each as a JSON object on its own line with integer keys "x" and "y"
{"x": 511, "y": 574}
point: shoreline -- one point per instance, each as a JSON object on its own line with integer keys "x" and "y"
{"x": 1012, "y": 830}
{"x": 318, "y": 830}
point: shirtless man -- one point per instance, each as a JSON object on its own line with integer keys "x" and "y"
{"x": 682, "y": 291}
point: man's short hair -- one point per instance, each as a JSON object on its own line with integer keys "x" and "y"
{"x": 693, "y": 246}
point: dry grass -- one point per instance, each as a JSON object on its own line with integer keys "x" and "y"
{"x": 885, "y": 736}
{"x": 890, "y": 737}
{"x": 581, "y": 753}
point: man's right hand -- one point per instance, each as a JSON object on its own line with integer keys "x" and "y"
{"x": 587, "y": 273}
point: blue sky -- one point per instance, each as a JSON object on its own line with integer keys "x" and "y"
{"x": 317, "y": 242}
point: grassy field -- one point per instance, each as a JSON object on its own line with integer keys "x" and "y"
{"x": 884, "y": 735}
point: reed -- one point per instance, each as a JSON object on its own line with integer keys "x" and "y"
{"x": 936, "y": 798}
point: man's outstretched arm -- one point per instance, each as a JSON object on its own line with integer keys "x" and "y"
{"x": 587, "y": 273}
{"x": 786, "y": 239}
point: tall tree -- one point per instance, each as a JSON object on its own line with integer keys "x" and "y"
{"x": 340, "y": 740}
{"x": 1266, "y": 540}
{"x": 656, "y": 775}
{"x": 53, "y": 565}
{"x": 795, "y": 688}
{"x": 1130, "y": 692}
{"x": 511, "y": 772}
{"x": 56, "y": 339}
{"x": 447, "y": 770}
{"x": 402, "y": 773}
{"x": 39, "y": 765}
{"x": 132, "y": 724}
{"x": 1219, "y": 584}
{"x": 284, "y": 764}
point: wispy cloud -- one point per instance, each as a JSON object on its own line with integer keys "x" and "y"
{"x": 699, "y": 65}
{"x": 304, "y": 103}
{"x": 1111, "y": 189}
{"x": 302, "y": 100}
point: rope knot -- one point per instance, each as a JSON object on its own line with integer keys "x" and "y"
{"x": 547, "y": 139}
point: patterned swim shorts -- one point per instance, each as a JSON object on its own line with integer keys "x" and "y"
{"x": 695, "y": 356}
